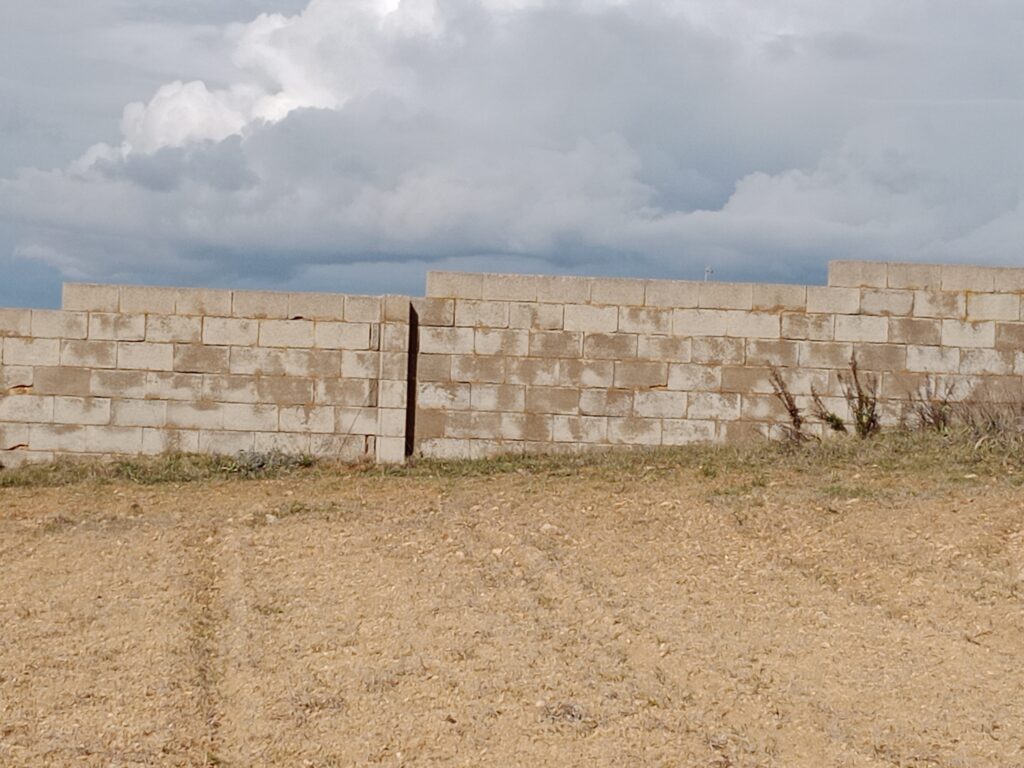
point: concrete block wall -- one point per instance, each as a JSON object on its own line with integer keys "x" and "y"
{"x": 140, "y": 370}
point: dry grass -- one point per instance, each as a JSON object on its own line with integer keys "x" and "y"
{"x": 854, "y": 603}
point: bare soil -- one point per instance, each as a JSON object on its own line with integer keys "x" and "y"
{"x": 665, "y": 616}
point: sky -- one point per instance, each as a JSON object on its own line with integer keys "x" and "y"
{"x": 352, "y": 145}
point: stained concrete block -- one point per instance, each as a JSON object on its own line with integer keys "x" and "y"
{"x": 498, "y": 397}
{"x": 226, "y": 443}
{"x": 61, "y": 380}
{"x": 117, "y": 327}
{"x": 26, "y": 351}
{"x": 641, "y": 374}
{"x": 610, "y": 346}
{"x": 365, "y": 309}
{"x": 147, "y": 299}
{"x": 90, "y": 297}
{"x": 660, "y": 404}
{"x": 434, "y": 312}
{"x": 15, "y": 322}
{"x": 444, "y": 396}
{"x": 690, "y": 377}
{"x": 579, "y": 429}
{"x": 199, "y": 358}
{"x": 567, "y": 344}
{"x": 959, "y": 333}
{"x": 332, "y": 335}
{"x": 155, "y": 441}
{"x": 993, "y": 306}
{"x": 229, "y": 331}
{"x": 359, "y": 365}
{"x": 292, "y": 390}
{"x": 447, "y": 341}
{"x": 779, "y": 298}
{"x": 26, "y": 408}
{"x": 206, "y": 302}
{"x": 956, "y": 277}
{"x": 918, "y": 277}
{"x": 943, "y": 305}
{"x": 307, "y": 418}
{"x": 1010, "y": 336}
{"x": 352, "y": 392}
{"x": 481, "y": 314}
{"x": 286, "y": 333}
{"x": 81, "y": 410}
{"x": 717, "y": 350}
{"x": 88, "y": 354}
{"x": 672, "y": 293}
{"x": 673, "y": 349}
{"x": 145, "y": 356}
{"x": 726, "y": 296}
{"x": 633, "y": 430}
{"x": 987, "y": 362}
{"x": 687, "y": 431}
{"x": 59, "y": 324}
{"x": 564, "y": 400}
{"x": 713, "y": 405}
{"x": 510, "y": 287}
{"x": 915, "y": 330}
{"x": 879, "y": 301}
{"x": 138, "y": 413}
{"x": 536, "y": 317}
{"x": 564, "y": 289}
{"x": 797, "y": 325}
{"x": 174, "y": 328}
{"x": 649, "y": 321}
{"x": 838, "y": 301}
{"x": 932, "y": 359}
{"x": 455, "y": 285}
{"x": 858, "y": 274}
{"x": 590, "y": 318}
{"x": 825, "y": 354}
{"x": 259, "y": 304}
{"x": 862, "y": 328}
{"x": 586, "y": 373}
{"x": 699, "y": 322}
{"x": 772, "y": 352}
{"x": 512, "y": 343}
{"x": 487, "y": 369}
{"x": 316, "y": 306}
{"x": 763, "y": 325}
{"x": 617, "y": 291}
{"x": 109, "y": 383}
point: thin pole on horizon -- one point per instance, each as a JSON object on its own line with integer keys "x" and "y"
{"x": 708, "y": 272}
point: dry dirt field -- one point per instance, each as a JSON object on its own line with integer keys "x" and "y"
{"x": 661, "y": 611}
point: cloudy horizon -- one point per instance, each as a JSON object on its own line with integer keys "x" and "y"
{"x": 352, "y": 145}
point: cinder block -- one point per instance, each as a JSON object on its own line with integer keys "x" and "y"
{"x": 536, "y": 317}
{"x": 63, "y": 438}
{"x": 747, "y": 379}
{"x": 434, "y": 312}
{"x": 778, "y": 298}
{"x": 107, "y": 327}
{"x": 259, "y": 304}
{"x": 487, "y": 369}
{"x": 878, "y": 301}
{"x": 862, "y": 328}
{"x": 155, "y": 441}
{"x": 106, "y": 383}
{"x": 672, "y": 293}
{"x": 230, "y": 331}
{"x": 510, "y": 287}
{"x": 81, "y": 410}
{"x": 858, "y": 274}
{"x": 632, "y": 430}
{"x": 590, "y": 318}
{"x": 713, "y": 405}
{"x": 725, "y": 296}
{"x": 113, "y": 440}
{"x": 912, "y": 330}
{"x": 958, "y": 333}
{"x": 932, "y": 359}
{"x": 717, "y": 351}
{"x": 1010, "y": 336}
{"x": 307, "y": 418}
{"x": 89, "y": 297}
{"x": 26, "y": 408}
{"x": 480, "y": 425}
{"x": 610, "y": 346}
{"x": 15, "y": 322}
{"x": 690, "y": 377}
{"x": 430, "y": 423}
{"x": 444, "y": 448}
{"x": 15, "y": 377}
{"x": 606, "y": 402}
{"x": 342, "y": 447}
{"x": 956, "y": 277}
{"x": 139, "y": 413}
{"x": 393, "y": 394}
{"x": 59, "y": 324}
{"x": 699, "y": 322}
{"x": 195, "y": 415}
{"x": 512, "y": 343}
{"x": 443, "y": 396}
{"x": 353, "y": 392}
{"x": 481, "y": 314}
{"x": 660, "y": 404}
{"x": 770, "y": 352}
{"x": 61, "y": 380}
{"x": 498, "y": 397}
{"x": 565, "y": 289}
{"x": 838, "y": 301}
{"x": 148, "y": 299}
{"x": 565, "y": 344}
{"x": 797, "y": 325}
{"x": 397, "y": 309}
{"x": 880, "y": 357}
{"x": 564, "y": 400}
{"x": 762, "y": 408}
{"x": 359, "y": 365}
{"x": 197, "y": 358}
{"x": 918, "y": 277}
{"x": 434, "y": 368}
{"x": 331, "y": 335}
{"x": 225, "y": 443}
{"x": 225, "y": 388}
{"x": 645, "y": 320}
{"x": 25, "y": 351}
{"x": 586, "y": 373}
{"x": 145, "y": 356}
{"x": 987, "y": 362}
{"x": 763, "y": 325}
{"x": 246, "y": 417}
{"x": 202, "y": 302}
{"x": 825, "y": 354}
{"x": 1009, "y": 279}
{"x": 455, "y": 285}
{"x": 355, "y": 421}
{"x": 524, "y": 370}
{"x": 294, "y": 443}
{"x": 940, "y": 305}
{"x": 394, "y": 337}
{"x": 447, "y": 341}
{"x": 390, "y": 450}
{"x": 394, "y": 366}
{"x": 673, "y": 349}
{"x": 579, "y": 429}
{"x": 174, "y": 328}
{"x": 162, "y": 385}
{"x": 687, "y": 431}
{"x": 286, "y": 333}
{"x": 13, "y": 437}
{"x": 641, "y": 374}
{"x": 617, "y": 290}
{"x": 992, "y": 306}
{"x": 363, "y": 309}
{"x": 316, "y": 306}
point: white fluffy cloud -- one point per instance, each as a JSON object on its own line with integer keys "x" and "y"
{"x": 638, "y": 136}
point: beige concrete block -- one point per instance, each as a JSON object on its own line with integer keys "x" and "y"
{"x": 586, "y": 373}
{"x": 918, "y": 277}
{"x": 126, "y": 441}
{"x": 748, "y": 379}
{"x": 316, "y": 306}
{"x": 512, "y": 343}
{"x": 15, "y": 377}
{"x": 498, "y": 397}
{"x": 26, "y": 408}
{"x": 825, "y": 354}
{"x": 195, "y": 415}
{"x": 393, "y": 394}
{"x": 590, "y": 318}
{"x": 932, "y": 359}
{"x": 364, "y": 309}
{"x": 19, "y": 458}
{"x": 920, "y": 331}
{"x": 809, "y": 327}
{"x": 537, "y": 317}
{"x": 645, "y": 320}
{"x": 466, "y": 424}
{"x": 225, "y": 443}
{"x": 862, "y": 328}
{"x": 713, "y": 405}
{"x": 881, "y": 357}
{"x": 617, "y": 290}
{"x": 434, "y": 312}
{"x": 565, "y": 289}
{"x": 660, "y": 404}
{"x": 307, "y": 418}
{"x": 197, "y": 358}
{"x": 174, "y": 328}
{"x": 138, "y": 413}
{"x": 699, "y": 322}
{"x": 353, "y": 392}
{"x": 430, "y": 424}
{"x": 1009, "y": 279}
{"x": 610, "y": 346}
{"x": 457, "y": 341}
{"x": 294, "y": 443}
{"x": 331, "y": 335}
{"x": 673, "y": 349}
{"x": 81, "y": 410}
{"x": 250, "y": 417}
{"x": 579, "y": 429}
{"x": 481, "y": 314}
{"x": 286, "y": 333}
{"x": 564, "y": 400}
{"x": 117, "y": 327}
{"x": 12, "y": 437}
{"x": 641, "y": 374}
{"x": 771, "y": 352}
{"x": 687, "y": 431}
{"x": 455, "y": 285}
{"x": 987, "y": 362}
{"x": 1009, "y": 336}
{"x": 879, "y": 301}
{"x": 226, "y": 388}
{"x": 15, "y": 322}
{"x": 510, "y": 287}
{"x": 203, "y": 302}
{"x": 762, "y": 408}
{"x": 394, "y": 337}
{"x": 778, "y": 297}
{"x": 671, "y": 293}
{"x": 355, "y": 421}
{"x": 148, "y": 299}
{"x": 58, "y": 324}
{"x": 725, "y": 296}
{"x": 390, "y": 450}
{"x": 443, "y": 396}
{"x": 64, "y": 438}
{"x": 434, "y": 368}
{"x": 162, "y": 385}
{"x": 489, "y": 369}
{"x": 716, "y": 351}
{"x": 839, "y": 301}
{"x": 104, "y": 383}
{"x": 398, "y": 309}
{"x": 958, "y": 333}
{"x": 957, "y": 277}
{"x": 992, "y": 306}
{"x": 145, "y": 356}
{"x": 394, "y": 366}
{"x": 534, "y": 371}
{"x": 632, "y": 430}
{"x": 444, "y": 448}
{"x": 606, "y": 402}
{"x": 857, "y": 274}
{"x": 564, "y": 344}
{"x": 355, "y": 448}
{"x": 360, "y": 365}
{"x": 756, "y": 325}
{"x": 940, "y": 305}
{"x": 24, "y": 351}
{"x": 89, "y": 297}
{"x": 61, "y": 380}
{"x": 229, "y": 331}
{"x": 159, "y": 440}
{"x": 259, "y": 304}
{"x": 690, "y": 377}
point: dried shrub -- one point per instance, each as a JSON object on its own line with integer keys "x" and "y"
{"x": 795, "y": 429}
{"x": 822, "y": 412}
{"x": 933, "y": 406}
{"x": 861, "y": 393}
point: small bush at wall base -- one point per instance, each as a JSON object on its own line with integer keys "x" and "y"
{"x": 861, "y": 393}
